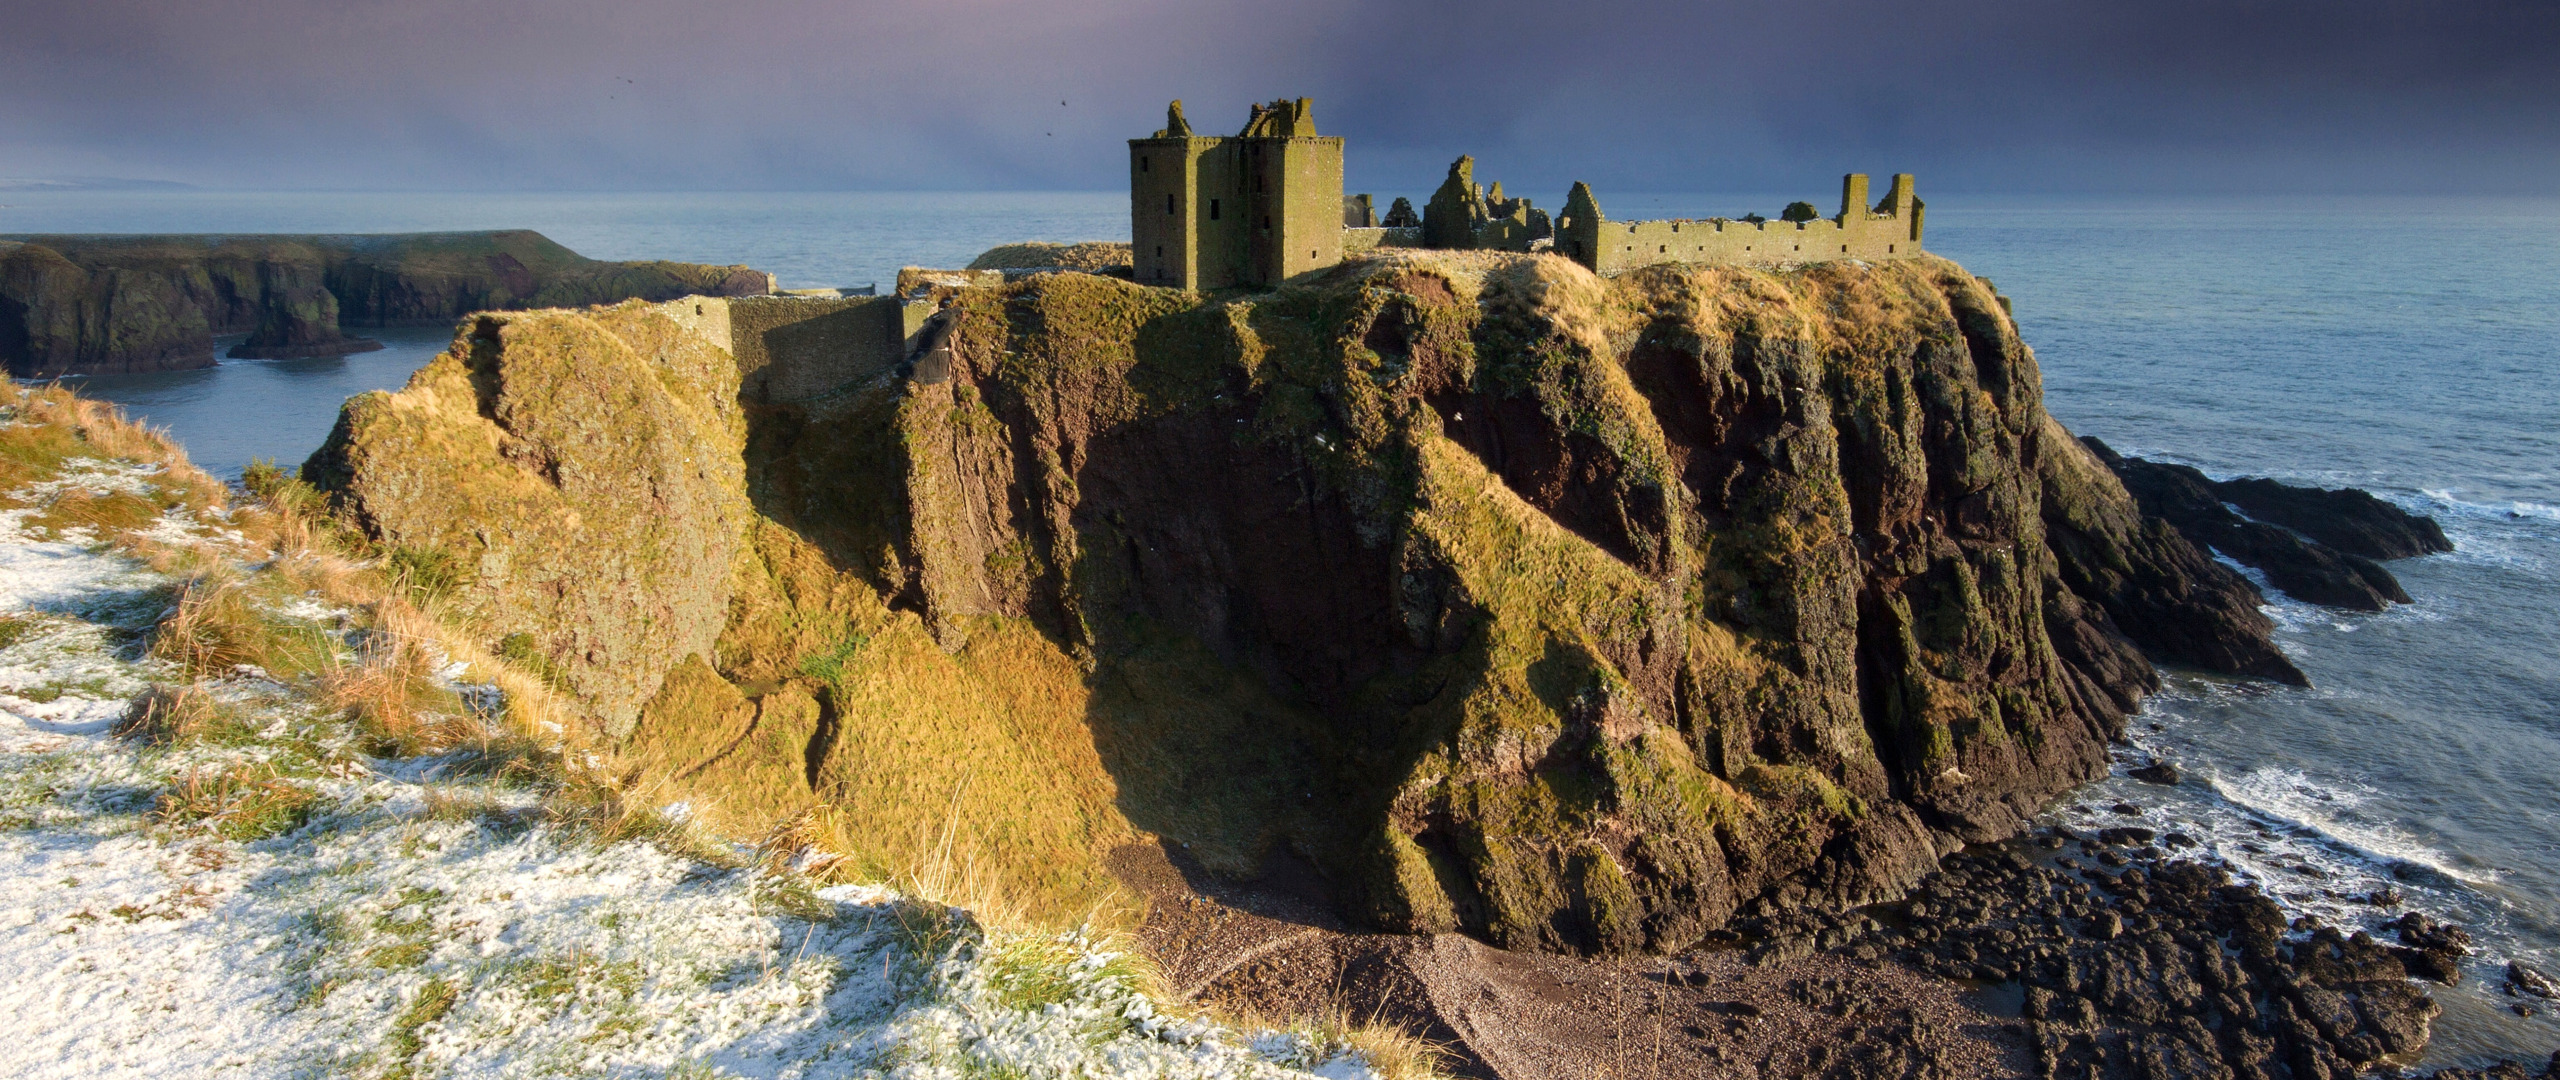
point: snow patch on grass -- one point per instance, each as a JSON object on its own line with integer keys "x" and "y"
{"x": 268, "y": 901}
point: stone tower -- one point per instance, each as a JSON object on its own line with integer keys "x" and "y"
{"x": 1255, "y": 209}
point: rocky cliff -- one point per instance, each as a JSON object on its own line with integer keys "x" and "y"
{"x": 107, "y": 304}
{"x": 1572, "y": 612}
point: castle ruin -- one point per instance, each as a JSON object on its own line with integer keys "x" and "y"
{"x": 1258, "y": 208}
{"x": 1889, "y": 230}
{"x": 1265, "y": 205}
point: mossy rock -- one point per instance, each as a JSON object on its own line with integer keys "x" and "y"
{"x": 1572, "y": 612}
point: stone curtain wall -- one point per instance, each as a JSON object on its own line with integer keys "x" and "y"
{"x": 793, "y": 349}
{"x": 1588, "y": 237}
{"x": 1355, "y": 241}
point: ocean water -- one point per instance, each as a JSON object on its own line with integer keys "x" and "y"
{"x": 2410, "y": 347}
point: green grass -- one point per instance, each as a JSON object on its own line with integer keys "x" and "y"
{"x": 427, "y": 573}
{"x": 400, "y": 1048}
{"x": 245, "y": 803}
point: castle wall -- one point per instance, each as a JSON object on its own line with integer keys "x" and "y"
{"x": 1355, "y": 241}
{"x": 792, "y": 349}
{"x": 1630, "y": 244}
{"x": 1212, "y": 213}
{"x": 1859, "y": 233}
{"x": 1296, "y": 197}
{"x": 1163, "y": 174}
{"x": 1222, "y": 259}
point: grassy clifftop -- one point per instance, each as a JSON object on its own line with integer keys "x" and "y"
{"x": 113, "y": 303}
{"x": 1571, "y": 612}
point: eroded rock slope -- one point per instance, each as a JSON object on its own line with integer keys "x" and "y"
{"x": 1573, "y": 613}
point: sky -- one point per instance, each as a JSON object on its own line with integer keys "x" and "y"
{"x": 2263, "y": 97}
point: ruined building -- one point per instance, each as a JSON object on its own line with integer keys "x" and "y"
{"x": 1257, "y": 208}
{"x": 1463, "y": 215}
{"x": 1889, "y": 230}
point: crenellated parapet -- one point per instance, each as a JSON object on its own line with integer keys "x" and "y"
{"x": 1890, "y": 229}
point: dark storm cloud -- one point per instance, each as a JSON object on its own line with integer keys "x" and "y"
{"x": 2261, "y": 95}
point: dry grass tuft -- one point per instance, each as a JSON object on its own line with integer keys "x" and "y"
{"x": 1394, "y": 1052}
{"x": 165, "y": 716}
{"x": 607, "y": 813}
{"x": 57, "y": 425}
{"x": 392, "y": 695}
{"x": 245, "y": 803}
{"x": 216, "y": 627}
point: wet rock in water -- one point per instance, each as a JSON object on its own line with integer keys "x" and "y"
{"x": 2127, "y": 809}
{"x": 2306, "y": 570}
{"x": 2420, "y": 932}
{"x": 2385, "y": 896}
{"x": 2431, "y": 950}
{"x": 2526, "y": 979}
{"x": 2125, "y": 836}
{"x": 2179, "y": 840}
{"x": 2158, "y": 772}
{"x": 2350, "y": 520}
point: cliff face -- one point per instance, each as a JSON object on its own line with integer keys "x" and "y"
{"x": 1574, "y": 613}
{"x": 111, "y": 304}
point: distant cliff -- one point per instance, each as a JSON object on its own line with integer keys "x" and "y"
{"x": 105, "y": 304}
{"x": 1572, "y": 612}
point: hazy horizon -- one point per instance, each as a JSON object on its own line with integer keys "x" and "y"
{"x": 2010, "y": 96}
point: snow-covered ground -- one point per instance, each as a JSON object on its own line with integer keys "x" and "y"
{"x": 276, "y": 904}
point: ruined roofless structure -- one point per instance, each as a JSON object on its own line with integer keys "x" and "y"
{"x": 1265, "y": 205}
{"x": 1889, "y": 230}
{"x": 1258, "y": 208}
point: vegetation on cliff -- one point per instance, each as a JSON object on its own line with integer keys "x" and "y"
{"x": 256, "y": 773}
{"x": 1571, "y": 612}
{"x": 104, "y": 304}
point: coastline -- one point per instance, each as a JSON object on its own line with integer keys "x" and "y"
{"x": 2052, "y": 954}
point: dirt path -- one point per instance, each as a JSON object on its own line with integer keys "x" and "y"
{"x": 1272, "y": 947}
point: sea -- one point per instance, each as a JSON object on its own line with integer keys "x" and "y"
{"x": 2407, "y": 346}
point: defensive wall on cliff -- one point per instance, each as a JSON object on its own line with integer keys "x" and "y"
{"x": 792, "y": 349}
{"x": 1889, "y": 230}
